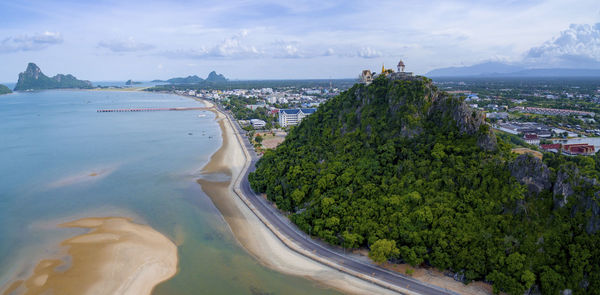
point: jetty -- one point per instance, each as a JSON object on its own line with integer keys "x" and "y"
{"x": 152, "y": 110}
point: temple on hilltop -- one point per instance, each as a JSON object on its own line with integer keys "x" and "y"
{"x": 367, "y": 76}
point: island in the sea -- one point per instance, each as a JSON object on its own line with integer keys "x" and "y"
{"x": 131, "y": 82}
{"x": 213, "y": 77}
{"x": 4, "y": 89}
{"x": 34, "y": 79}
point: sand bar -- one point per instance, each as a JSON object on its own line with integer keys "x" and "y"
{"x": 116, "y": 256}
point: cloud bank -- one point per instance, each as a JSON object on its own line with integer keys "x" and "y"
{"x": 576, "y": 47}
{"x": 128, "y": 45}
{"x": 33, "y": 42}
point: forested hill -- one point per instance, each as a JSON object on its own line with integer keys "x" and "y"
{"x": 416, "y": 176}
{"x": 4, "y": 89}
{"x": 34, "y": 79}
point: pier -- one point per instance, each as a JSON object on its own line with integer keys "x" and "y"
{"x": 151, "y": 110}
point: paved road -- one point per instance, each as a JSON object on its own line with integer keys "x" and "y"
{"x": 318, "y": 248}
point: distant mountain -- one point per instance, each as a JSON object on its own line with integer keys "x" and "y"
{"x": 216, "y": 78}
{"x": 131, "y": 82}
{"x": 496, "y": 69}
{"x": 187, "y": 80}
{"x": 4, "y": 90}
{"x": 213, "y": 77}
{"x": 34, "y": 79}
{"x": 488, "y": 68}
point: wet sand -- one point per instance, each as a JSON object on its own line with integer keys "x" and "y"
{"x": 253, "y": 235}
{"x": 116, "y": 256}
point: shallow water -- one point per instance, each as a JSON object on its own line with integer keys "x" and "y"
{"x": 61, "y": 160}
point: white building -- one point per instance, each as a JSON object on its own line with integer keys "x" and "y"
{"x": 257, "y": 123}
{"x": 291, "y": 117}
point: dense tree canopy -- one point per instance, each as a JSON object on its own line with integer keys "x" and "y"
{"x": 376, "y": 167}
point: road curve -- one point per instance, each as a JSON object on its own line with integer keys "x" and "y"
{"x": 361, "y": 269}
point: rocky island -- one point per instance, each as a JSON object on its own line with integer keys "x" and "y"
{"x": 216, "y": 78}
{"x": 4, "y": 89}
{"x": 34, "y": 79}
{"x": 213, "y": 77}
{"x": 131, "y": 82}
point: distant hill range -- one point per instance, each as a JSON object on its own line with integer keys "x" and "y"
{"x": 497, "y": 69}
{"x": 34, "y": 79}
{"x": 4, "y": 89}
{"x": 213, "y": 77}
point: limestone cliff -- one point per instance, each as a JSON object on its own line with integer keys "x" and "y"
{"x": 530, "y": 171}
{"x": 34, "y": 79}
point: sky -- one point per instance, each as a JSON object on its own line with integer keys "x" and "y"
{"x": 107, "y": 40}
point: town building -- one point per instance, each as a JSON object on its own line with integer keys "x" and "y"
{"x": 497, "y": 115}
{"x": 555, "y": 147}
{"x": 291, "y": 117}
{"x": 553, "y": 112}
{"x": 366, "y": 77}
{"x": 258, "y": 124}
{"x": 531, "y": 138}
{"x": 579, "y": 149}
{"x": 256, "y": 106}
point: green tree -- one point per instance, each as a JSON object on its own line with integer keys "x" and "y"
{"x": 382, "y": 250}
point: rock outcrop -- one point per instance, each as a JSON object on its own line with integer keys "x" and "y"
{"x": 586, "y": 192}
{"x": 34, "y": 79}
{"x": 468, "y": 121}
{"x": 531, "y": 171}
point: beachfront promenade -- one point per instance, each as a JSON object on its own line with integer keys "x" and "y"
{"x": 152, "y": 110}
{"x": 301, "y": 243}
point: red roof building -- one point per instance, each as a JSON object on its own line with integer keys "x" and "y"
{"x": 531, "y": 136}
{"x": 579, "y": 149}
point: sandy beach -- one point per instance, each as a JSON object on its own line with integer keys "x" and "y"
{"x": 259, "y": 241}
{"x": 115, "y": 256}
{"x": 254, "y": 236}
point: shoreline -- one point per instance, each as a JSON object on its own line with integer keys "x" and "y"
{"x": 114, "y": 256}
{"x": 280, "y": 258}
{"x": 252, "y": 234}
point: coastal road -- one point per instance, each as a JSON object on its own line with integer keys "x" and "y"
{"x": 288, "y": 229}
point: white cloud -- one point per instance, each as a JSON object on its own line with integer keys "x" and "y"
{"x": 234, "y": 47}
{"x": 578, "y": 46}
{"x": 128, "y": 45}
{"x": 368, "y": 52}
{"x": 239, "y": 46}
{"x": 33, "y": 42}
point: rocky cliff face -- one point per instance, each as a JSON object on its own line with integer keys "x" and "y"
{"x": 569, "y": 186}
{"x": 586, "y": 192}
{"x": 34, "y": 79}
{"x": 530, "y": 171}
{"x": 468, "y": 121}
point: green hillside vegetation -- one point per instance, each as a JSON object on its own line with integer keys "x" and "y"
{"x": 34, "y": 79}
{"x": 4, "y": 89}
{"x": 416, "y": 177}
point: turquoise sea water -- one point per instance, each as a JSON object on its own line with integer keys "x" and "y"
{"x": 61, "y": 160}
